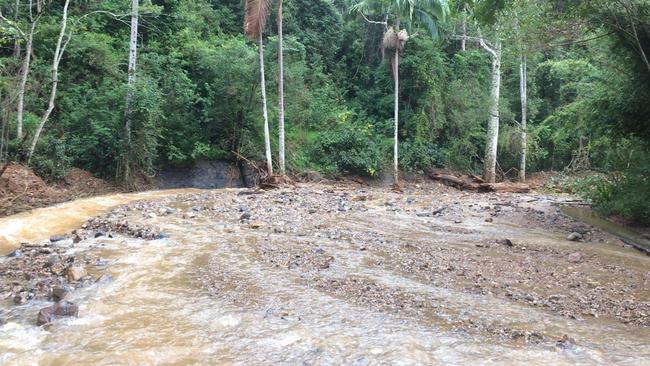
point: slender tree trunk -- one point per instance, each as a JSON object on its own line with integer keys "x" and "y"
{"x": 281, "y": 90}
{"x": 395, "y": 137}
{"x": 463, "y": 41}
{"x": 489, "y": 169}
{"x": 58, "y": 53}
{"x": 130, "y": 93}
{"x": 267, "y": 135}
{"x": 17, "y": 40}
{"x": 23, "y": 82}
{"x": 523, "y": 87}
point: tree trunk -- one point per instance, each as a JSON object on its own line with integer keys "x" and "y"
{"x": 281, "y": 91}
{"x": 58, "y": 53}
{"x": 396, "y": 142}
{"x": 17, "y": 40}
{"x": 489, "y": 169}
{"x": 523, "y": 87}
{"x": 23, "y": 82}
{"x": 130, "y": 93}
{"x": 267, "y": 135}
{"x": 463, "y": 46}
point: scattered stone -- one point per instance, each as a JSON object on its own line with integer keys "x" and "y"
{"x": 565, "y": 342}
{"x": 489, "y": 219}
{"x": 75, "y": 273}
{"x": 15, "y": 254}
{"x": 59, "y": 293}
{"x": 56, "y": 238}
{"x": 438, "y": 210}
{"x": 59, "y": 310}
{"x": 99, "y": 233}
{"x": 576, "y": 257}
{"x": 574, "y": 236}
{"x": 245, "y": 216}
{"x": 506, "y": 242}
{"x": 22, "y": 297}
{"x": 256, "y": 225}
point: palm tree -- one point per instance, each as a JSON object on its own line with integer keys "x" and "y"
{"x": 425, "y": 12}
{"x": 257, "y": 13}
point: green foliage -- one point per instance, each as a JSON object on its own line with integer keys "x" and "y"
{"x": 53, "y": 160}
{"x": 350, "y": 148}
{"x": 198, "y": 96}
{"x": 625, "y": 195}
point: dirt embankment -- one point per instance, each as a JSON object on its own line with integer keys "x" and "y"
{"x": 22, "y": 190}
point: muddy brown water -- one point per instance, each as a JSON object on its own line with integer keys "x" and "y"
{"x": 157, "y": 310}
{"x": 586, "y": 215}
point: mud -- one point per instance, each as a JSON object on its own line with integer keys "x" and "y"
{"x": 432, "y": 275}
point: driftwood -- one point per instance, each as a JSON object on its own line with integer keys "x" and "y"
{"x": 474, "y": 183}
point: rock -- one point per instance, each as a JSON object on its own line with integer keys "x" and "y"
{"x": 56, "y": 238}
{"x": 438, "y": 210}
{"x": 423, "y": 214}
{"x": 152, "y": 215}
{"x": 59, "y": 310}
{"x": 574, "y": 236}
{"x": 489, "y": 219}
{"x": 104, "y": 279}
{"x": 15, "y": 254}
{"x": 52, "y": 260}
{"x": 458, "y": 221}
{"x": 59, "y": 293}
{"x": 245, "y": 216}
{"x": 256, "y": 225}
{"x": 99, "y": 233}
{"x": 576, "y": 257}
{"x": 65, "y": 243}
{"x": 75, "y": 273}
{"x": 506, "y": 242}
{"x": 565, "y": 342}
{"x": 22, "y": 297}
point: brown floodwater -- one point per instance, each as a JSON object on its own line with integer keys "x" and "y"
{"x": 586, "y": 215}
{"x": 157, "y": 310}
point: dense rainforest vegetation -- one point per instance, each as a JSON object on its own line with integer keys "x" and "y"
{"x": 567, "y": 82}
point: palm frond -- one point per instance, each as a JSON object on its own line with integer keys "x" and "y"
{"x": 257, "y": 13}
{"x": 428, "y": 22}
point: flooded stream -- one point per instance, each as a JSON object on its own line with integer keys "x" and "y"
{"x": 585, "y": 214}
{"x": 223, "y": 290}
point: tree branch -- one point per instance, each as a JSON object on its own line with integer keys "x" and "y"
{"x": 385, "y": 24}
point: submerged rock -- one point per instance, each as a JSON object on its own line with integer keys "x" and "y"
{"x": 59, "y": 293}
{"x": 59, "y": 310}
{"x": 103, "y": 279}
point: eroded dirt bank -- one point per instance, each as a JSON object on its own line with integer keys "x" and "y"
{"x": 349, "y": 274}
